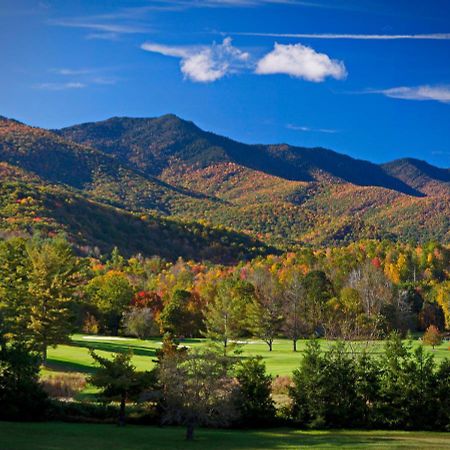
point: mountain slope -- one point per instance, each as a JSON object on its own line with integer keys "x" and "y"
{"x": 154, "y": 145}
{"x": 284, "y": 194}
{"x": 420, "y": 175}
{"x": 280, "y": 194}
{"x": 57, "y": 160}
{"x": 28, "y": 205}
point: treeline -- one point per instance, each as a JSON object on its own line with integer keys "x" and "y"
{"x": 363, "y": 291}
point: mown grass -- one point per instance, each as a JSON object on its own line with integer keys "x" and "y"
{"x": 65, "y": 436}
{"x": 281, "y": 361}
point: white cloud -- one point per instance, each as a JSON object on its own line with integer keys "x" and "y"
{"x": 204, "y": 64}
{"x": 300, "y": 61}
{"x": 167, "y": 50}
{"x": 426, "y": 92}
{"x": 431, "y": 36}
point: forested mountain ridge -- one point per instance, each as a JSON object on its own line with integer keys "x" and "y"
{"x": 155, "y": 144}
{"x": 420, "y": 175}
{"x": 279, "y": 194}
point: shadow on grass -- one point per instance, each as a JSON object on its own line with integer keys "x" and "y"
{"x": 68, "y": 366}
{"x": 64, "y": 436}
{"x": 115, "y": 348}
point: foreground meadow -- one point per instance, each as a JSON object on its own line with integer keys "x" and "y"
{"x": 68, "y": 436}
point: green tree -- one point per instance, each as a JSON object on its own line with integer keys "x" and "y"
{"x": 223, "y": 316}
{"x": 324, "y": 391}
{"x": 21, "y": 395}
{"x": 318, "y": 291}
{"x": 442, "y": 396}
{"x": 55, "y": 273}
{"x": 407, "y": 396}
{"x": 14, "y": 297}
{"x": 117, "y": 261}
{"x": 255, "y": 401}
{"x": 118, "y": 378}
{"x": 111, "y": 294}
{"x": 177, "y": 317}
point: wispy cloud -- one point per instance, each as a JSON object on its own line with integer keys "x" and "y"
{"x": 60, "y": 86}
{"x": 204, "y": 64}
{"x": 290, "y": 126}
{"x": 421, "y": 93}
{"x": 73, "y": 72}
{"x": 185, "y": 4}
{"x": 440, "y": 153}
{"x": 430, "y": 36}
{"x": 79, "y": 78}
{"x": 300, "y": 61}
{"x": 101, "y": 30}
{"x": 106, "y": 27}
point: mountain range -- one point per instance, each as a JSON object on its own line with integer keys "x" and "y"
{"x": 164, "y": 186}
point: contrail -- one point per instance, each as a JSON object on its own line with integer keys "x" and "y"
{"x": 432, "y": 36}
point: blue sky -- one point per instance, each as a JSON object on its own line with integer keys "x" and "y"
{"x": 370, "y": 78}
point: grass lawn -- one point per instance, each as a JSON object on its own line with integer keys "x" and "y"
{"x": 68, "y": 436}
{"x": 281, "y": 361}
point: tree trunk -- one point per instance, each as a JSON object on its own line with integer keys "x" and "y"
{"x": 44, "y": 354}
{"x": 295, "y": 344}
{"x": 269, "y": 343}
{"x": 122, "y": 410}
{"x": 190, "y": 432}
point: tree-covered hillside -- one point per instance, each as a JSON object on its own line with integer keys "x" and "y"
{"x": 29, "y": 206}
{"x": 283, "y": 195}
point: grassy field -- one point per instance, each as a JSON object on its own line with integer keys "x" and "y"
{"x": 65, "y": 436}
{"x": 281, "y": 361}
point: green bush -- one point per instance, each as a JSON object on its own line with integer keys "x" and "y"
{"x": 254, "y": 401}
{"x": 21, "y": 396}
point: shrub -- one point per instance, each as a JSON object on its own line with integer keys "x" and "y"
{"x": 324, "y": 391}
{"x": 255, "y": 401}
{"x": 21, "y": 396}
